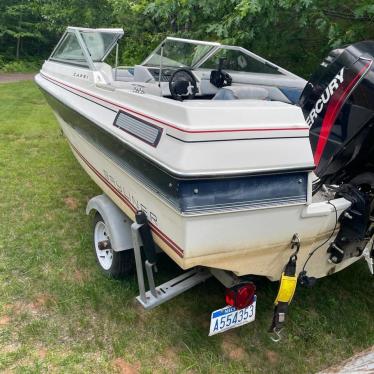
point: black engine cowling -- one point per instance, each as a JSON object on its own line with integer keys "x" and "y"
{"x": 338, "y": 105}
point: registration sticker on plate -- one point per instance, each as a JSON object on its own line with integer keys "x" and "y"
{"x": 229, "y": 317}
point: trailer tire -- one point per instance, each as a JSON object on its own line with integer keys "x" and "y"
{"x": 112, "y": 263}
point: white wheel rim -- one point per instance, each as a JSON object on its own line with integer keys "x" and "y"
{"x": 105, "y": 257}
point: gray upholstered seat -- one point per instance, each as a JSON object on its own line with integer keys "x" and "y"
{"x": 241, "y": 93}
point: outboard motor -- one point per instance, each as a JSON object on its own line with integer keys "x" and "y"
{"x": 338, "y": 105}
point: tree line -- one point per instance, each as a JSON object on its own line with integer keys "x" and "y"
{"x": 295, "y": 34}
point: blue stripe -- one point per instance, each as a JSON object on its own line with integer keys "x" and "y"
{"x": 224, "y": 311}
{"x": 251, "y": 191}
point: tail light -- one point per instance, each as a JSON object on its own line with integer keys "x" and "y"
{"x": 240, "y": 296}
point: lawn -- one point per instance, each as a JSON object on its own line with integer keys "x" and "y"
{"x": 58, "y": 313}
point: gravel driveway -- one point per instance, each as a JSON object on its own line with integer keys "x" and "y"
{"x": 15, "y": 77}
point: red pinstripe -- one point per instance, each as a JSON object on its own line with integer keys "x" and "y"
{"x": 155, "y": 229}
{"x": 167, "y": 123}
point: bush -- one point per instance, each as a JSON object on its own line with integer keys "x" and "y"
{"x": 21, "y": 66}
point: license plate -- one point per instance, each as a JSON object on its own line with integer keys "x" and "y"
{"x": 229, "y": 317}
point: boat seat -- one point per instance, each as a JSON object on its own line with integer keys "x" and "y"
{"x": 142, "y": 74}
{"x": 108, "y": 73}
{"x": 122, "y": 75}
{"x": 241, "y": 93}
{"x": 105, "y": 70}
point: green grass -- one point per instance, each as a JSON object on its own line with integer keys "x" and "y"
{"x": 59, "y": 314}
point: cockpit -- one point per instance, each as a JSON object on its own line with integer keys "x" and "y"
{"x": 181, "y": 69}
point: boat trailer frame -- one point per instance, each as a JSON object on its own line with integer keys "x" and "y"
{"x": 125, "y": 234}
{"x": 157, "y": 295}
{"x": 168, "y": 290}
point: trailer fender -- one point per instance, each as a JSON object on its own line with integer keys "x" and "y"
{"x": 118, "y": 224}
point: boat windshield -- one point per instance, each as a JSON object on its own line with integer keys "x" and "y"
{"x": 69, "y": 51}
{"x": 81, "y": 46}
{"x": 179, "y": 53}
{"x": 194, "y": 54}
{"x": 99, "y": 44}
{"x": 236, "y": 59}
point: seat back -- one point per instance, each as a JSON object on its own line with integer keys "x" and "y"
{"x": 141, "y": 74}
{"x": 106, "y": 71}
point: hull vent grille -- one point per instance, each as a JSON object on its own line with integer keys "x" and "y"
{"x": 142, "y": 130}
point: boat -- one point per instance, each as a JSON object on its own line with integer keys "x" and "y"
{"x": 234, "y": 164}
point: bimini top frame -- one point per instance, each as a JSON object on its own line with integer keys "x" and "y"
{"x": 84, "y": 37}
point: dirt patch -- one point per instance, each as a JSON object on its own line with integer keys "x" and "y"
{"x": 71, "y": 202}
{"x": 42, "y": 352}
{"x": 169, "y": 359}
{"x": 20, "y": 307}
{"x": 231, "y": 350}
{"x": 4, "y": 320}
{"x": 80, "y": 276}
{"x": 272, "y": 356}
{"x": 8, "y": 307}
{"x": 124, "y": 367}
{"x": 35, "y": 307}
{"x": 141, "y": 313}
{"x": 76, "y": 272}
{"x": 16, "y": 77}
{"x": 41, "y": 301}
{"x": 10, "y": 348}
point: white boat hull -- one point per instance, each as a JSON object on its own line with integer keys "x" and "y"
{"x": 255, "y": 241}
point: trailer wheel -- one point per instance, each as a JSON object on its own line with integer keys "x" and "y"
{"x": 113, "y": 264}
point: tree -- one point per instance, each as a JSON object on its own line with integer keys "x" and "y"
{"x": 295, "y": 34}
{"x": 19, "y": 20}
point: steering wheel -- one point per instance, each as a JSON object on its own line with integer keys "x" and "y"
{"x": 183, "y": 85}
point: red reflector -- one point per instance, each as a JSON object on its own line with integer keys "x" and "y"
{"x": 240, "y": 296}
{"x": 230, "y": 297}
